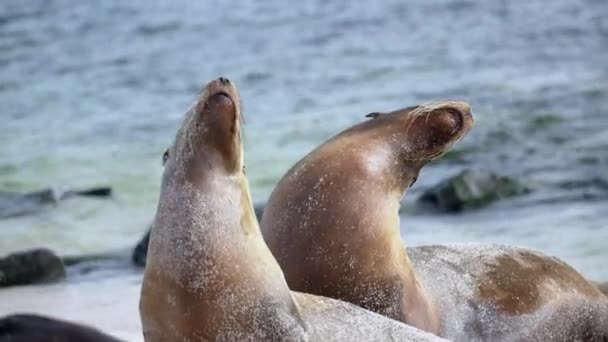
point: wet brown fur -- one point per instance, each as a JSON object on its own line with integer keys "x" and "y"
{"x": 517, "y": 283}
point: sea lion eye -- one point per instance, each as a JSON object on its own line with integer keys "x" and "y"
{"x": 244, "y": 169}
{"x": 165, "y": 157}
{"x": 373, "y": 115}
{"x": 413, "y": 181}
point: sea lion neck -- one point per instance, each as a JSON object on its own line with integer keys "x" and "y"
{"x": 374, "y": 159}
{"x": 209, "y": 238}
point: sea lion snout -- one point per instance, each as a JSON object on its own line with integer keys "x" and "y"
{"x": 219, "y": 85}
{"x": 220, "y": 102}
{"x": 220, "y": 98}
{"x": 450, "y": 119}
{"x": 212, "y": 129}
{"x": 434, "y": 127}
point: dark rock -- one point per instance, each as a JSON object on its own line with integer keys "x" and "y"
{"x": 78, "y": 265}
{"x": 18, "y": 204}
{"x": 35, "y": 328}
{"x": 31, "y": 267}
{"x": 472, "y": 189}
{"x": 590, "y": 182}
{"x": 104, "y": 191}
{"x": 544, "y": 121}
{"x": 73, "y": 260}
{"x": 140, "y": 252}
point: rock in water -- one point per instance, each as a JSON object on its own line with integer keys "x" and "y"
{"x": 31, "y": 267}
{"x": 17, "y": 204}
{"x": 78, "y": 265}
{"x": 35, "y": 328}
{"x": 472, "y": 189}
{"x": 140, "y": 252}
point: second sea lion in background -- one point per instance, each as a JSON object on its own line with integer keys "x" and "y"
{"x": 332, "y": 222}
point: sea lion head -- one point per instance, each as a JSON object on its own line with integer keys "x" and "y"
{"x": 431, "y": 129}
{"x": 209, "y": 139}
{"x": 418, "y": 134}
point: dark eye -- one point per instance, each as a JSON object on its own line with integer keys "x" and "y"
{"x": 413, "y": 181}
{"x": 373, "y": 115}
{"x": 165, "y": 157}
{"x": 244, "y": 169}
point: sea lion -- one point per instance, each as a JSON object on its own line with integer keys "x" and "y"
{"x": 36, "y": 328}
{"x": 209, "y": 275}
{"x": 332, "y": 222}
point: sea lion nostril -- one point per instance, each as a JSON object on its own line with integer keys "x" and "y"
{"x": 456, "y": 119}
{"x": 224, "y": 80}
{"x": 220, "y": 101}
{"x": 223, "y": 95}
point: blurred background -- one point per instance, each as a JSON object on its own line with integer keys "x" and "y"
{"x": 91, "y": 93}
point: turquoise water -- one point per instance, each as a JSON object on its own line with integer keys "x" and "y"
{"x": 92, "y": 93}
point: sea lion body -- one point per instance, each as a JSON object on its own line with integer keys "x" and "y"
{"x": 209, "y": 275}
{"x": 332, "y": 222}
{"x": 488, "y": 292}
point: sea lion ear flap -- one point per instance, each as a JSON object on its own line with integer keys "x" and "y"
{"x": 373, "y": 115}
{"x": 165, "y": 157}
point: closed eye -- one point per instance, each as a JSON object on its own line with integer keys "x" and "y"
{"x": 413, "y": 181}
{"x": 165, "y": 157}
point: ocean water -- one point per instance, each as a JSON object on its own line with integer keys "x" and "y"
{"x": 92, "y": 93}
